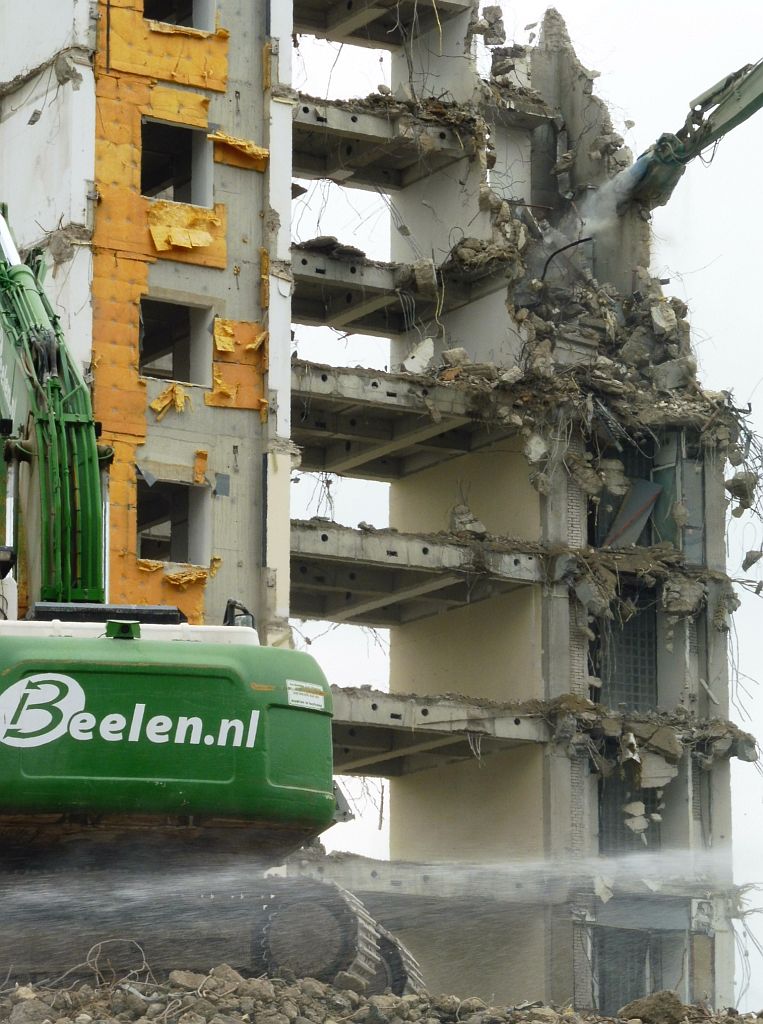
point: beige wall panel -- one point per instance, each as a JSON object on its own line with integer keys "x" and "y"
{"x": 485, "y": 810}
{"x": 494, "y": 483}
{"x": 489, "y": 649}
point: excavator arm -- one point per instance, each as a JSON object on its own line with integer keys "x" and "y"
{"x": 55, "y": 465}
{"x": 652, "y": 178}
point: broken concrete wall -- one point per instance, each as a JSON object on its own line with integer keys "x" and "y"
{"x": 44, "y": 32}
{"x": 588, "y": 155}
{"x": 580, "y": 352}
{"x": 482, "y": 328}
{"x": 510, "y": 176}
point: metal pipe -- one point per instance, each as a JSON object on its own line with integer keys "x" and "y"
{"x": 106, "y": 520}
{"x": 8, "y": 245}
{"x": 10, "y": 502}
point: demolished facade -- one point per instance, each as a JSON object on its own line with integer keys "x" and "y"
{"x": 553, "y": 576}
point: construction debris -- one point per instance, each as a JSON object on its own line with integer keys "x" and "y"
{"x": 463, "y": 522}
{"x": 223, "y": 996}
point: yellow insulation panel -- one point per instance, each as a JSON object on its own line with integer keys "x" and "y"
{"x": 200, "y": 463}
{"x": 149, "y": 229}
{"x": 126, "y": 221}
{"x": 239, "y": 152}
{"x": 239, "y": 367}
{"x": 122, "y": 251}
{"x": 119, "y": 281}
{"x": 180, "y": 107}
{"x": 174, "y": 397}
{"x": 170, "y": 53}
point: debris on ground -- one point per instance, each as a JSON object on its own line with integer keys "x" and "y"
{"x": 223, "y": 996}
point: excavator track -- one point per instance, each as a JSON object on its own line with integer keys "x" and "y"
{"x": 61, "y": 922}
{"x": 318, "y": 930}
{"x": 401, "y": 971}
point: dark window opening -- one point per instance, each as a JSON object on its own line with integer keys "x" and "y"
{"x": 176, "y": 164}
{"x": 173, "y": 12}
{"x": 166, "y": 161}
{"x": 174, "y": 520}
{"x": 627, "y": 965}
{"x": 619, "y": 797}
{"x": 163, "y": 519}
{"x": 175, "y": 342}
{"x": 165, "y": 340}
{"x": 624, "y": 654}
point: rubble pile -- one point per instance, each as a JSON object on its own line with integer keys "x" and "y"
{"x": 224, "y": 997}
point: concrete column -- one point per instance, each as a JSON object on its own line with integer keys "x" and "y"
{"x": 440, "y": 62}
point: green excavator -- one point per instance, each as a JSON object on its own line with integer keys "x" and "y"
{"x": 152, "y": 773}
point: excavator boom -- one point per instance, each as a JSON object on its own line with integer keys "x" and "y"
{"x": 51, "y": 439}
{"x": 653, "y": 177}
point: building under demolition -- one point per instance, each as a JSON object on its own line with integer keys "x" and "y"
{"x": 553, "y": 578}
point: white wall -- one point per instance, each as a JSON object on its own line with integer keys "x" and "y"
{"x": 34, "y": 30}
{"x": 46, "y": 167}
{"x": 68, "y": 289}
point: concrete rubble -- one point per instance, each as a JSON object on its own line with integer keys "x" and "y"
{"x": 223, "y": 996}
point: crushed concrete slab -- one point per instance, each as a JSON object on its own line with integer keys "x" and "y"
{"x": 420, "y": 356}
{"x": 683, "y": 596}
{"x": 673, "y": 374}
{"x": 665, "y": 741}
{"x": 464, "y": 521}
{"x": 664, "y": 320}
{"x": 742, "y": 487}
{"x": 656, "y": 773}
{"x": 751, "y": 559}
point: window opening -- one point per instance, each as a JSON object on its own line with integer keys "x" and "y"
{"x": 173, "y": 12}
{"x": 616, "y": 792}
{"x": 173, "y": 521}
{"x": 184, "y": 13}
{"x": 175, "y": 163}
{"x": 637, "y": 466}
{"x": 679, "y": 512}
{"x": 175, "y": 342}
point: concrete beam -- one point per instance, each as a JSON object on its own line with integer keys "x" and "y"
{"x": 343, "y": 19}
{"x": 385, "y": 734}
{"x": 375, "y": 23}
{"x": 381, "y": 883}
{"x": 372, "y": 148}
{"x": 352, "y": 293}
{"x": 384, "y": 426}
{"x": 410, "y": 571}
